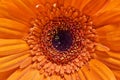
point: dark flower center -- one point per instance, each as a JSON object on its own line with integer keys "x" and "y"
{"x": 62, "y": 40}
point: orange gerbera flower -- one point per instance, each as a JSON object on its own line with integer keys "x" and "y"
{"x": 59, "y": 40}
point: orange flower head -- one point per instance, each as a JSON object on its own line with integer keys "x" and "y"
{"x": 59, "y": 39}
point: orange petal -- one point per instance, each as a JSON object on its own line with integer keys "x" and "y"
{"x": 32, "y": 4}
{"x": 110, "y": 37}
{"x": 53, "y": 77}
{"x": 7, "y": 33}
{"x": 94, "y": 6}
{"x": 97, "y": 71}
{"x": 38, "y": 76}
{"x": 12, "y": 46}
{"x": 12, "y": 57}
{"x": 82, "y": 76}
{"x": 106, "y": 18}
{"x": 10, "y": 10}
{"x": 6, "y": 74}
{"x": 23, "y": 7}
{"x": 100, "y": 53}
{"x": 112, "y": 60}
{"x": 113, "y": 5}
{"x": 101, "y": 47}
{"x": 117, "y": 74}
{"x": 68, "y": 77}
{"x": 12, "y": 29}
{"x": 87, "y": 73}
{"x": 54, "y": 3}
{"x": 14, "y": 25}
{"x": 12, "y": 63}
{"x": 67, "y": 3}
{"x": 31, "y": 74}
{"x": 8, "y": 42}
{"x": 74, "y": 76}
{"x": 19, "y": 73}
{"x": 115, "y": 55}
{"x": 79, "y": 4}
{"x": 35, "y": 4}
{"x": 26, "y": 62}
{"x": 16, "y": 74}
{"x": 101, "y": 50}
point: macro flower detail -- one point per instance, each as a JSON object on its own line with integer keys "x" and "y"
{"x": 59, "y": 39}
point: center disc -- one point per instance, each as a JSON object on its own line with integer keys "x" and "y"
{"x": 62, "y": 40}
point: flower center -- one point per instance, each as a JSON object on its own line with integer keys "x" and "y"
{"x": 62, "y": 40}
